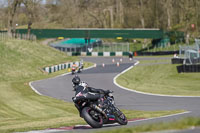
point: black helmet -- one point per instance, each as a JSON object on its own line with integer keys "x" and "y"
{"x": 76, "y": 80}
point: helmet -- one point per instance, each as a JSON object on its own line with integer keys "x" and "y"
{"x": 84, "y": 84}
{"x": 76, "y": 80}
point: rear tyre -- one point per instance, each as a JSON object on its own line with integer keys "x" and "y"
{"x": 95, "y": 121}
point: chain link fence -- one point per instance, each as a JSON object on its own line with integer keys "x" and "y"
{"x": 112, "y": 47}
{"x": 191, "y": 54}
{"x": 97, "y": 46}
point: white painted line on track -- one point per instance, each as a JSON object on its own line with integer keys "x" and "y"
{"x": 146, "y": 119}
{"x": 30, "y": 84}
{"x": 145, "y": 93}
{"x": 165, "y": 116}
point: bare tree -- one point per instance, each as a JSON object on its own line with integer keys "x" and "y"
{"x": 12, "y": 8}
{"x": 167, "y": 4}
{"x": 197, "y": 16}
{"x": 119, "y": 15}
{"x": 164, "y": 14}
{"x": 141, "y": 7}
{"x": 31, "y": 11}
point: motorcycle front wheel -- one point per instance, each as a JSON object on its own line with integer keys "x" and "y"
{"x": 93, "y": 118}
{"x": 121, "y": 118}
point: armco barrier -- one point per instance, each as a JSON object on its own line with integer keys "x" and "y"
{"x": 106, "y": 54}
{"x": 94, "y": 53}
{"x": 112, "y": 54}
{"x": 59, "y": 67}
{"x": 83, "y": 53}
{"x": 118, "y": 53}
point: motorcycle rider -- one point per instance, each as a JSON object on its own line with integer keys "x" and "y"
{"x": 81, "y": 64}
{"x": 75, "y": 82}
{"x": 74, "y": 66}
{"x": 89, "y": 92}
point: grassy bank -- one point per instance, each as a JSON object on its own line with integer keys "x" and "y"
{"x": 152, "y": 77}
{"x": 21, "y": 109}
{"x": 186, "y": 123}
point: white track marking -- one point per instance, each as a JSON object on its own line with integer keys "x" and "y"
{"x": 165, "y": 116}
{"x": 30, "y": 84}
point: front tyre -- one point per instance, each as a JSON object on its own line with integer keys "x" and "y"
{"x": 121, "y": 118}
{"x": 92, "y": 117}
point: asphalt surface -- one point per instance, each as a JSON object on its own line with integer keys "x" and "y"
{"x": 102, "y": 77}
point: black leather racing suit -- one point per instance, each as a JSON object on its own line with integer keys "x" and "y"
{"x": 89, "y": 93}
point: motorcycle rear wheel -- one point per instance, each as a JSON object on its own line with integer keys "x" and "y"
{"x": 93, "y": 122}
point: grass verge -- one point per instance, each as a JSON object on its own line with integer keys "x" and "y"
{"x": 152, "y": 76}
{"x": 186, "y": 123}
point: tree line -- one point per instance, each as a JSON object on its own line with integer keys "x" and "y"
{"x": 180, "y": 15}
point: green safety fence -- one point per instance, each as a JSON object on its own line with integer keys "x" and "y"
{"x": 95, "y": 33}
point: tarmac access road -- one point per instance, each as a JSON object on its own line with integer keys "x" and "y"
{"x": 60, "y": 87}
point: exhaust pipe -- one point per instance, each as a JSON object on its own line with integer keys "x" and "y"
{"x": 99, "y": 110}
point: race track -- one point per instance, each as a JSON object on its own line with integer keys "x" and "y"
{"x": 60, "y": 87}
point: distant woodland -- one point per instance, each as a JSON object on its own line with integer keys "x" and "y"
{"x": 182, "y": 15}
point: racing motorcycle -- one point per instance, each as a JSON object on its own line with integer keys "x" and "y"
{"x": 79, "y": 69}
{"x": 73, "y": 70}
{"x": 96, "y": 115}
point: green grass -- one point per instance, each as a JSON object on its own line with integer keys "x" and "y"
{"x": 21, "y": 109}
{"x": 185, "y": 123}
{"x": 160, "y": 79}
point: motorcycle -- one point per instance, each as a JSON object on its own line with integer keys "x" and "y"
{"x": 80, "y": 69}
{"x": 96, "y": 115}
{"x": 73, "y": 70}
